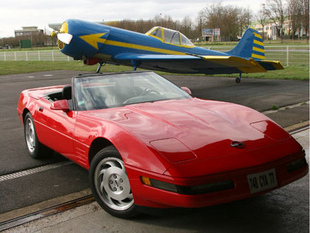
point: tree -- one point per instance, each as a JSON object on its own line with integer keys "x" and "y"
{"x": 295, "y": 16}
{"x": 305, "y": 16}
{"x": 244, "y": 19}
{"x": 275, "y": 12}
{"x": 261, "y": 17}
{"x": 186, "y": 26}
{"x": 230, "y": 19}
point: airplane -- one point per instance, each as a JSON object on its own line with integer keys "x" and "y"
{"x": 160, "y": 49}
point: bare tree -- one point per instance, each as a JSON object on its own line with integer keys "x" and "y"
{"x": 261, "y": 17}
{"x": 186, "y": 26}
{"x": 230, "y": 19}
{"x": 275, "y": 12}
{"x": 294, "y": 15}
{"x": 244, "y": 20}
{"x": 305, "y": 16}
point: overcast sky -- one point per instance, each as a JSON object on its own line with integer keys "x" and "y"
{"x": 14, "y": 14}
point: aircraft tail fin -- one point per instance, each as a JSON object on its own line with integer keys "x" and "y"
{"x": 251, "y": 45}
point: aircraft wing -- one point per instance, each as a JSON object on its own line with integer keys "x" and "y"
{"x": 196, "y": 63}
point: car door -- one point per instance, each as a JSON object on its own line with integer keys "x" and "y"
{"x": 61, "y": 125}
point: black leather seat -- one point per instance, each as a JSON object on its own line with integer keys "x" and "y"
{"x": 67, "y": 93}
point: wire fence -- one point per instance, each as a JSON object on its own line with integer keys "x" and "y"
{"x": 37, "y": 55}
{"x": 287, "y": 55}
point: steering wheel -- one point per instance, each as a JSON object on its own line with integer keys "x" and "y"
{"x": 148, "y": 91}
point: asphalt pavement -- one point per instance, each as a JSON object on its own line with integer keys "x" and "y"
{"x": 285, "y": 210}
{"x": 25, "y": 182}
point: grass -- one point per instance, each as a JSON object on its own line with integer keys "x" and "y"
{"x": 296, "y": 72}
{"x": 293, "y": 72}
{"x": 19, "y": 67}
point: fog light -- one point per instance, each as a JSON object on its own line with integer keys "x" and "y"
{"x": 212, "y": 187}
{"x": 189, "y": 190}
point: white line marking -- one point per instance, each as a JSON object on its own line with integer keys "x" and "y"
{"x": 34, "y": 170}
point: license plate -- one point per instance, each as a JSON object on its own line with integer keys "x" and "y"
{"x": 262, "y": 181}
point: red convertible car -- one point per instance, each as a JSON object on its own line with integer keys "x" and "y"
{"x": 149, "y": 143}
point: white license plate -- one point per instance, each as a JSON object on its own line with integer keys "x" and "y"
{"x": 262, "y": 181}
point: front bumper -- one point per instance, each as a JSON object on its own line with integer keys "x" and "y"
{"x": 287, "y": 170}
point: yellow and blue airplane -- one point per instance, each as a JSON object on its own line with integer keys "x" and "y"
{"x": 160, "y": 49}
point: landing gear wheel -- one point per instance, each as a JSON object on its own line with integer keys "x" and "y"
{"x": 35, "y": 149}
{"x": 238, "y": 80}
{"x": 110, "y": 184}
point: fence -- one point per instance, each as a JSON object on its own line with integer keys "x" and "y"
{"x": 288, "y": 55}
{"x": 37, "y": 55}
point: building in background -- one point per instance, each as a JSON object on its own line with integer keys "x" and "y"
{"x": 28, "y": 31}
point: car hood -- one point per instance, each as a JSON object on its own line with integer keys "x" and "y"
{"x": 197, "y": 123}
{"x": 202, "y": 131}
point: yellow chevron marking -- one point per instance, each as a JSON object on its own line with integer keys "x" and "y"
{"x": 258, "y": 50}
{"x": 257, "y": 56}
{"x": 257, "y": 35}
{"x": 94, "y": 39}
{"x": 143, "y": 47}
{"x": 258, "y": 42}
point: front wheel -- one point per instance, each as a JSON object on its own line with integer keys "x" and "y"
{"x": 35, "y": 149}
{"x": 110, "y": 184}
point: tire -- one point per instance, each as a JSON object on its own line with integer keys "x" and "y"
{"x": 110, "y": 184}
{"x": 35, "y": 149}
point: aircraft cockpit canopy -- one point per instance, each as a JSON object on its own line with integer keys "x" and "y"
{"x": 170, "y": 36}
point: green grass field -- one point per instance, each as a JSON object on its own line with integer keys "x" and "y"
{"x": 297, "y": 72}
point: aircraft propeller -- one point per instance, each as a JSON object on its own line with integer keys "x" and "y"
{"x": 63, "y": 37}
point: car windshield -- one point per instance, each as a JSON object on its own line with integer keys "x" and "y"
{"x": 115, "y": 90}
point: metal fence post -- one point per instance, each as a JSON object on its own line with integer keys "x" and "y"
{"x": 287, "y": 55}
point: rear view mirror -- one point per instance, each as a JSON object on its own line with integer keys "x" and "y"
{"x": 187, "y": 90}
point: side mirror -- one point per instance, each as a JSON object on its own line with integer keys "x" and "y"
{"x": 60, "y": 105}
{"x": 187, "y": 90}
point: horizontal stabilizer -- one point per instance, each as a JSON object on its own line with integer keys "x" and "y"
{"x": 271, "y": 65}
{"x": 191, "y": 63}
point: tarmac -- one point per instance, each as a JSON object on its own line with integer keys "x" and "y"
{"x": 91, "y": 218}
{"x": 284, "y": 210}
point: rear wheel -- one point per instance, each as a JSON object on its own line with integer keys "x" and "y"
{"x": 35, "y": 149}
{"x": 110, "y": 184}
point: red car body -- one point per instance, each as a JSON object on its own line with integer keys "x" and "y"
{"x": 177, "y": 153}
